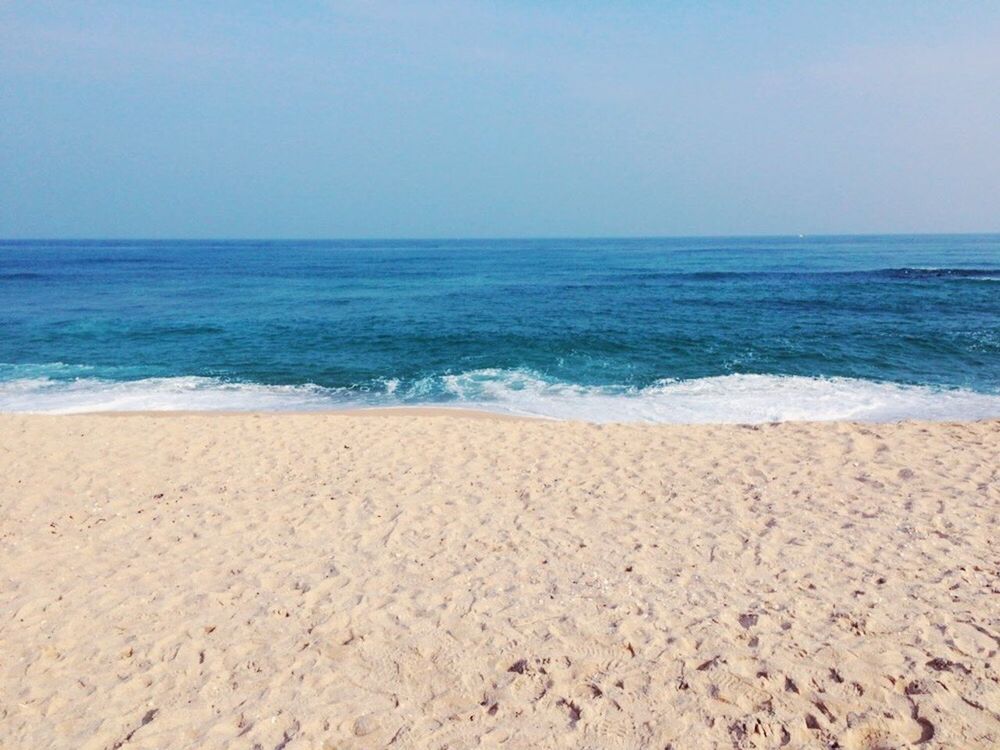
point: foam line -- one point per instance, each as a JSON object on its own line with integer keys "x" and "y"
{"x": 722, "y": 399}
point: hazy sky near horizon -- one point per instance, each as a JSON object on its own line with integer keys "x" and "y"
{"x": 444, "y": 119}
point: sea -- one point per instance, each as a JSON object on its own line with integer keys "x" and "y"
{"x": 676, "y": 330}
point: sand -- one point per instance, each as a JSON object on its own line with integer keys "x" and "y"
{"x": 432, "y": 581}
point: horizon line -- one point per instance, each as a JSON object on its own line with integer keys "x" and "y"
{"x": 509, "y": 238}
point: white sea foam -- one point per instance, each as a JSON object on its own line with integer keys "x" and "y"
{"x": 44, "y": 395}
{"x": 730, "y": 398}
{"x": 723, "y": 399}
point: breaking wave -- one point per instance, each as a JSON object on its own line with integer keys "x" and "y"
{"x": 721, "y": 399}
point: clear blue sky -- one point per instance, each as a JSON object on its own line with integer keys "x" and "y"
{"x": 444, "y": 119}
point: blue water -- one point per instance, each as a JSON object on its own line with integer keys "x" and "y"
{"x": 677, "y": 330}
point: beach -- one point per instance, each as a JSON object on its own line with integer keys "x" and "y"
{"x": 448, "y": 580}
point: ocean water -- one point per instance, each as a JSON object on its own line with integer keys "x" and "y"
{"x": 667, "y": 330}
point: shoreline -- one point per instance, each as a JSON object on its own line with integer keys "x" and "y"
{"x": 724, "y": 399}
{"x": 461, "y": 413}
{"x": 376, "y": 411}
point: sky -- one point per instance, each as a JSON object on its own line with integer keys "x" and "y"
{"x": 387, "y": 119}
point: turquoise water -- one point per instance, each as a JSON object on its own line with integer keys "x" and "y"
{"x": 676, "y": 330}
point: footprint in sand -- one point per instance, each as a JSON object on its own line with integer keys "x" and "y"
{"x": 874, "y": 732}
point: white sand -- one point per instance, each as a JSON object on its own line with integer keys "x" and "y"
{"x": 329, "y": 581}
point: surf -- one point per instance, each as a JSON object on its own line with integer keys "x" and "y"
{"x": 727, "y": 399}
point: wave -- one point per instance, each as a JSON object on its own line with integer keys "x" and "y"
{"x": 721, "y": 399}
{"x": 904, "y": 273}
{"x": 51, "y": 396}
{"x": 965, "y": 274}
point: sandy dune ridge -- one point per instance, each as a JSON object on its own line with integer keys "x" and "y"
{"x": 437, "y": 581}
